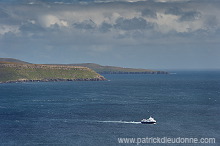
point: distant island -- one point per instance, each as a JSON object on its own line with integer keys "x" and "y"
{"x": 14, "y": 70}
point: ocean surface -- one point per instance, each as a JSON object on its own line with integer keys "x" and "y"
{"x": 185, "y": 104}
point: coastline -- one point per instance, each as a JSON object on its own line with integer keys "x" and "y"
{"x": 55, "y": 80}
{"x": 120, "y": 72}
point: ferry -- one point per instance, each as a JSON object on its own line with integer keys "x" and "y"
{"x": 149, "y": 121}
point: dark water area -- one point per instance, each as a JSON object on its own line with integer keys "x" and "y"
{"x": 185, "y": 104}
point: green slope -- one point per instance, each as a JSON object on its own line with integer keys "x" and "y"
{"x": 118, "y": 70}
{"x": 14, "y": 72}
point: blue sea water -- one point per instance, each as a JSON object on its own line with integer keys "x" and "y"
{"x": 186, "y": 104}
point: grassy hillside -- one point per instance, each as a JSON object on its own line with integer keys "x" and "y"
{"x": 15, "y": 72}
{"x": 118, "y": 70}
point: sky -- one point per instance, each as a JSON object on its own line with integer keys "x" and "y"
{"x": 151, "y": 34}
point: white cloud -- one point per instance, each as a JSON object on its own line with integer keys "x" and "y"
{"x": 8, "y": 28}
{"x": 32, "y": 21}
{"x": 49, "y": 20}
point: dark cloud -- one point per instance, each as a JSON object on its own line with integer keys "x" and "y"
{"x": 6, "y": 17}
{"x": 148, "y": 13}
{"x": 174, "y": 11}
{"x": 211, "y": 22}
{"x": 3, "y": 14}
{"x": 132, "y": 24}
{"x": 105, "y": 27}
{"x": 190, "y": 16}
{"x": 184, "y": 15}
{"x": 87, "y": 24}
{"x": 30, "y": 27}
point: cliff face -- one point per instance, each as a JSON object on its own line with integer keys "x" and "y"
{"x": 17, "y": 72}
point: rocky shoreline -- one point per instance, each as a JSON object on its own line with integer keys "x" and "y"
{"x": 55, "y": 80}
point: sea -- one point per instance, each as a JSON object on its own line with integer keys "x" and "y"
{"x": 185, "y": 104}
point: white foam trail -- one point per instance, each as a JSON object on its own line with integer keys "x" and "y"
{"x": 123, "y": 122}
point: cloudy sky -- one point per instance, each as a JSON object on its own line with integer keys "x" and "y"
{"x": 155, "y": 34}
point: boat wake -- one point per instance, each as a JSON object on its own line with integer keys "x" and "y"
{"x": 122, "y": 122}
